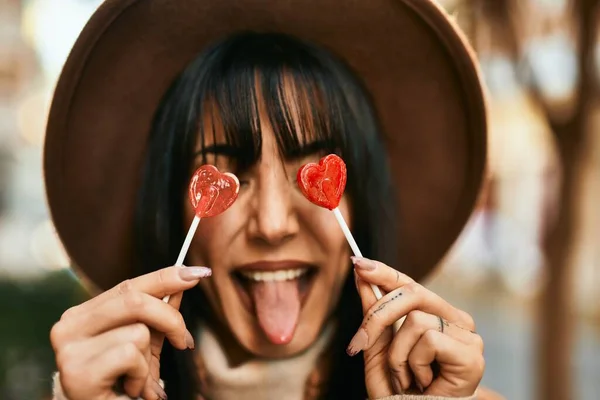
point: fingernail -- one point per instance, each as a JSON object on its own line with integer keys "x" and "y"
{"x": 189, "y": 340}
{"x": 160, "y": 392}
{"x": 363, "y": 263}
{"x": 356, "y": 280}
{"x": 396, "y": 384}
{"x": 419, "y": 386}
{"x": 194, "y": 273}
{"x": 358, "y": 342}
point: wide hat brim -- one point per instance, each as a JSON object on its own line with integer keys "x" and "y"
{"x": 417, "y": 65}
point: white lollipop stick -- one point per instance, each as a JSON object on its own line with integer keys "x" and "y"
{"x": 357, "y": 253}
{"x": 186, "y": 245}
{"x": 352, "y": 243}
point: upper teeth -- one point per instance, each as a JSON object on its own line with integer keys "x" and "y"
{"x": 270, "y": 276}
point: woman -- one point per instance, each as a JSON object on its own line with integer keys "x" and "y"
{"x": 277, "y": 308}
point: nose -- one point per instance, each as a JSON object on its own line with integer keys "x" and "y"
{"x": 273, "y": 220}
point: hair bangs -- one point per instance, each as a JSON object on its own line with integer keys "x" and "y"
{"x": 304, "y": 114}
{"x": 264, "y": 80}
{"x": 230, "y": 106}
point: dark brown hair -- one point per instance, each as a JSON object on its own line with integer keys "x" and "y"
{"x": 339, "y": 116}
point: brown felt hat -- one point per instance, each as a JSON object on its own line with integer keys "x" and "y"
{"x": 420, "y": 71}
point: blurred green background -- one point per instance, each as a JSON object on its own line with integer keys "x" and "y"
{"x": 29, "y": 310}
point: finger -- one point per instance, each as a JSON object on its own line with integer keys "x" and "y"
{"x": 175, "y": 300}
{"x": 152, "y": 384}
{"x": 140, "y": 335}
{"x": 169, "y": 280}
{"x": 367, "y": 297}
{"x": 156, "y": 346}
{"x": 159, "y": 283}
{"x": 131, "y": 308}
{"x": 415, "y": 325}
{"x": 85, "y": 350}
{"x": 155, "y": 367}
{"x": 379, "y": 274}
{"x": 452, "y": 355}
{"x": 375, "y": 360}
{"x": 127, "y": 360}
{"x": 388, "y": 279}
{"x": 153, "y": 390}
{"x": 158, "y": 340}
{"x": 396, "y": 305}
{"x": 137, "y": 333}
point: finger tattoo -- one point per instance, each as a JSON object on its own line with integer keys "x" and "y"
{"x": 443, "y": 323}
{"x": 383, "y": 305}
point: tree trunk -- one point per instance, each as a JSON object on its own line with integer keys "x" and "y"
{"x": 554, "y": 346}
{"x": 556, "y": 324}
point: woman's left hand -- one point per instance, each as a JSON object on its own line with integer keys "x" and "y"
{"x": 436, "y": 350}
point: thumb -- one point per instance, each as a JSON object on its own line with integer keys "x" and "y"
{"x": 367, "y": 297}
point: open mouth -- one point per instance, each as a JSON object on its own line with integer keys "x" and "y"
{"x": 245, "y": 279}
{"x": 275, "y": 294}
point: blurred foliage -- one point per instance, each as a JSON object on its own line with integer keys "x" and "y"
{"x": 28, "y": 312}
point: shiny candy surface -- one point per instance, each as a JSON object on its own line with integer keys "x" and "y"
{"x": 211, "y": 192}
{"x": 323, "y": 183}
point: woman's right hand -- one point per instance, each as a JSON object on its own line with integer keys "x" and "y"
{"x": 120, "y": 333}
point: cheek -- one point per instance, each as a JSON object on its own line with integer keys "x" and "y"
{"x": 328, "y": 234}
{"x": 338, "y": 237}
{"x": 330, "y": 227}
{"x": 344, "y": 208}
{"x": 213, "y": 237}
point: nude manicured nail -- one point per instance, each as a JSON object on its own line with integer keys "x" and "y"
{"x": 194, "y": 273}
{"x": 160, "y": 392}
{"x": 189, "y": 340}
{"x": 363, "y": 263}
{"x": 396, "y": 384}
{"x": 358, "y": 342}
{"x": 420, "y": 387}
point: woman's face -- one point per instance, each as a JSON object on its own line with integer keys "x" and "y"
{"x": 279, "y": 262}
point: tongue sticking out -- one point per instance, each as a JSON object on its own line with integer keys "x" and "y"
{"x": 277, "y": 307}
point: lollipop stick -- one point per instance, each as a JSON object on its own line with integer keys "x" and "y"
{"x": 357, "y": 253}
{"x": 185, "y": 247}
{"x": 352, "y": 243}
{"x": 347, "y": 233}
{"x": 187, "y": 241}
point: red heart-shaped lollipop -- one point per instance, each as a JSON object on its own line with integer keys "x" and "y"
{"x": 323, "y": 183}
{"x": 212, "y": 192}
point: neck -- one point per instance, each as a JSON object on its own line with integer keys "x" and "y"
{"x": 235, "y": 354}
{"x": 294, "y": 377}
